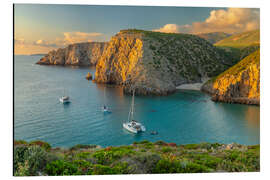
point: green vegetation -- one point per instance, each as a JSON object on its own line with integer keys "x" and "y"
{"x": 185, "y": 55}
{"x": 253, "y": 58}
{"x": 241, "y": 40}
{"x": 240, "y": 45}
{"x": 214, "y": 36}
{"x": 32, "y": 159}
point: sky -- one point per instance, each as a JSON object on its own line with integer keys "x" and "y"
{"x": 39, "y": 28}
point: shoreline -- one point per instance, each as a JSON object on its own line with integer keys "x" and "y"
{"x": 192, "y": 86}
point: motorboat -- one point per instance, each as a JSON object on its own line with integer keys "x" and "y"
{"x": 105, "y": 109}
{"x": 64, "y": 99}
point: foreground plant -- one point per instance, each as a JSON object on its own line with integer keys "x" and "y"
{"x": 31, "y": 159}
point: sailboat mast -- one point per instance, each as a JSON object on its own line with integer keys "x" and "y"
{"x": 132, "y": 105}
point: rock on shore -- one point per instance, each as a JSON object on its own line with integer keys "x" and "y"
{"x": 239, "y": 84}
{"x": 81, "y": 54}
{"x": 155, "y": 63}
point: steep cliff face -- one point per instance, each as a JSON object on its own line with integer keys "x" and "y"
{"x": 239, "y": 84}
{"x": 81, "y": 54}
{"x": 155, "y": 63}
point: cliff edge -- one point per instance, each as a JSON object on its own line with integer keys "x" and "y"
{"x": 81, "y": 54}
{"x": 238, "y": 84}
{"x": 155, "y": 63}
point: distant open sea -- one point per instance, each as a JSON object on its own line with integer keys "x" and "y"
{"x": 184, "y": 117}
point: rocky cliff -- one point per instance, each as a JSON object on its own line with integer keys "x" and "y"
{"x": 155, "y": 63}
{"x": 239, "y": 84}
{"x": 81, "y": 54}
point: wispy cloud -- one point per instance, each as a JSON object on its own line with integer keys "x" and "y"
{"x": 231, "y": 20}
{"x": 44, "y": 43}
{"x": 43, "y": 46}
{"x": 76, "y": 37}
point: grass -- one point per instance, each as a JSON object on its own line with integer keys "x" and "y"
{"x": 32, "y": 159}
{"x": 241, "y": 40}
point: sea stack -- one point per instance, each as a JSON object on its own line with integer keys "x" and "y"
{"x": 89, "y": 76}
{"x": 155, "y": 63}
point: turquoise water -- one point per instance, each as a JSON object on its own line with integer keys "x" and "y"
{"x": 184, "y": 117}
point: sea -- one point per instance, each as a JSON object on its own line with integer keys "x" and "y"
{"x": 185, "y": 117}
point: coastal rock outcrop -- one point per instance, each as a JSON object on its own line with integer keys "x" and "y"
{"x": 89, "y": 76}
{"x": 155, "y": 63}
{"x": 239, "y": 84}
{"x": 81, "y": 54}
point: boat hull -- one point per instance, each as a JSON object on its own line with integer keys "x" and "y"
{"x": 64, "y": 101}
{"x": 129, "y": 128}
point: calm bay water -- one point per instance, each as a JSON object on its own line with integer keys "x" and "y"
{"x": 184, "y": 117}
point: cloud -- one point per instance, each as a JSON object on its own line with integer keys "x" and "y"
{"x": 44, "y": 43}
{"x": 43, "y": 46}
{"x": 19, "y": 42}
{"x": 231, "y": 20}
{"x": 76, "y": 37}
{"x": 168, "y": 28}
{"x": 174, "y": 28}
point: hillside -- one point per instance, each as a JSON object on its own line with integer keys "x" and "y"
{"x": 241, "y": 40}
{"x": 81, "y": 54}
{"x": 238, "y": 84}
{"x": 240, "y": 45}
{"x": 38, "y": 158}
{"x": 155, "y": 63}
{"x": 214, "y": 36}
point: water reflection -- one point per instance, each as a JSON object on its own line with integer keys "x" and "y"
{"x": 252, "y": 114}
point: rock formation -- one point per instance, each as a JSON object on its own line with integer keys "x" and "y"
{"x": 239, "y": 84}
{"x": 155, "y": 63}
{"x": 89, "y": 76}
{"x": 81, "y": 54}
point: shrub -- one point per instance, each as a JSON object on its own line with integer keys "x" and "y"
{"x": 83, "y": 166}
{"x": 42, "y": 144}
{"x": 22, "y": 169}
{"x": 106, "y": 157}
{"x": 101, "y": 169}
{"x": 83, "y": 155}
{"x": 206, "y": 160}
{"x": 191, "y": 146}
{"x": 160, "y": 143}
{"x": 145, "y": 142}
{"x": 175, "y": 166}
{"x": 61, "y": 167}
{"x": 166, "y": 149}
{"x": 18, "y": 158}
{"x": 20, "y": 142}
{"x": 37, "y": 159}
{"x": 82, "y": 146}
{"x": 149, "y": 161}
{"x": 29, "y": 160}
{"x": 122, "y": 168}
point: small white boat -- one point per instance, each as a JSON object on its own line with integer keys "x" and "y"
{"x": 132, "y": 125}
{"x": 64, "y": 99}
{"x": 105, "y": 109}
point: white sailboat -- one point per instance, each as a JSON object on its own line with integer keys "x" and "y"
{"x": 64, "y": 99}
{"x": 132, "y": 125}
{"x": 105, "y": 108}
